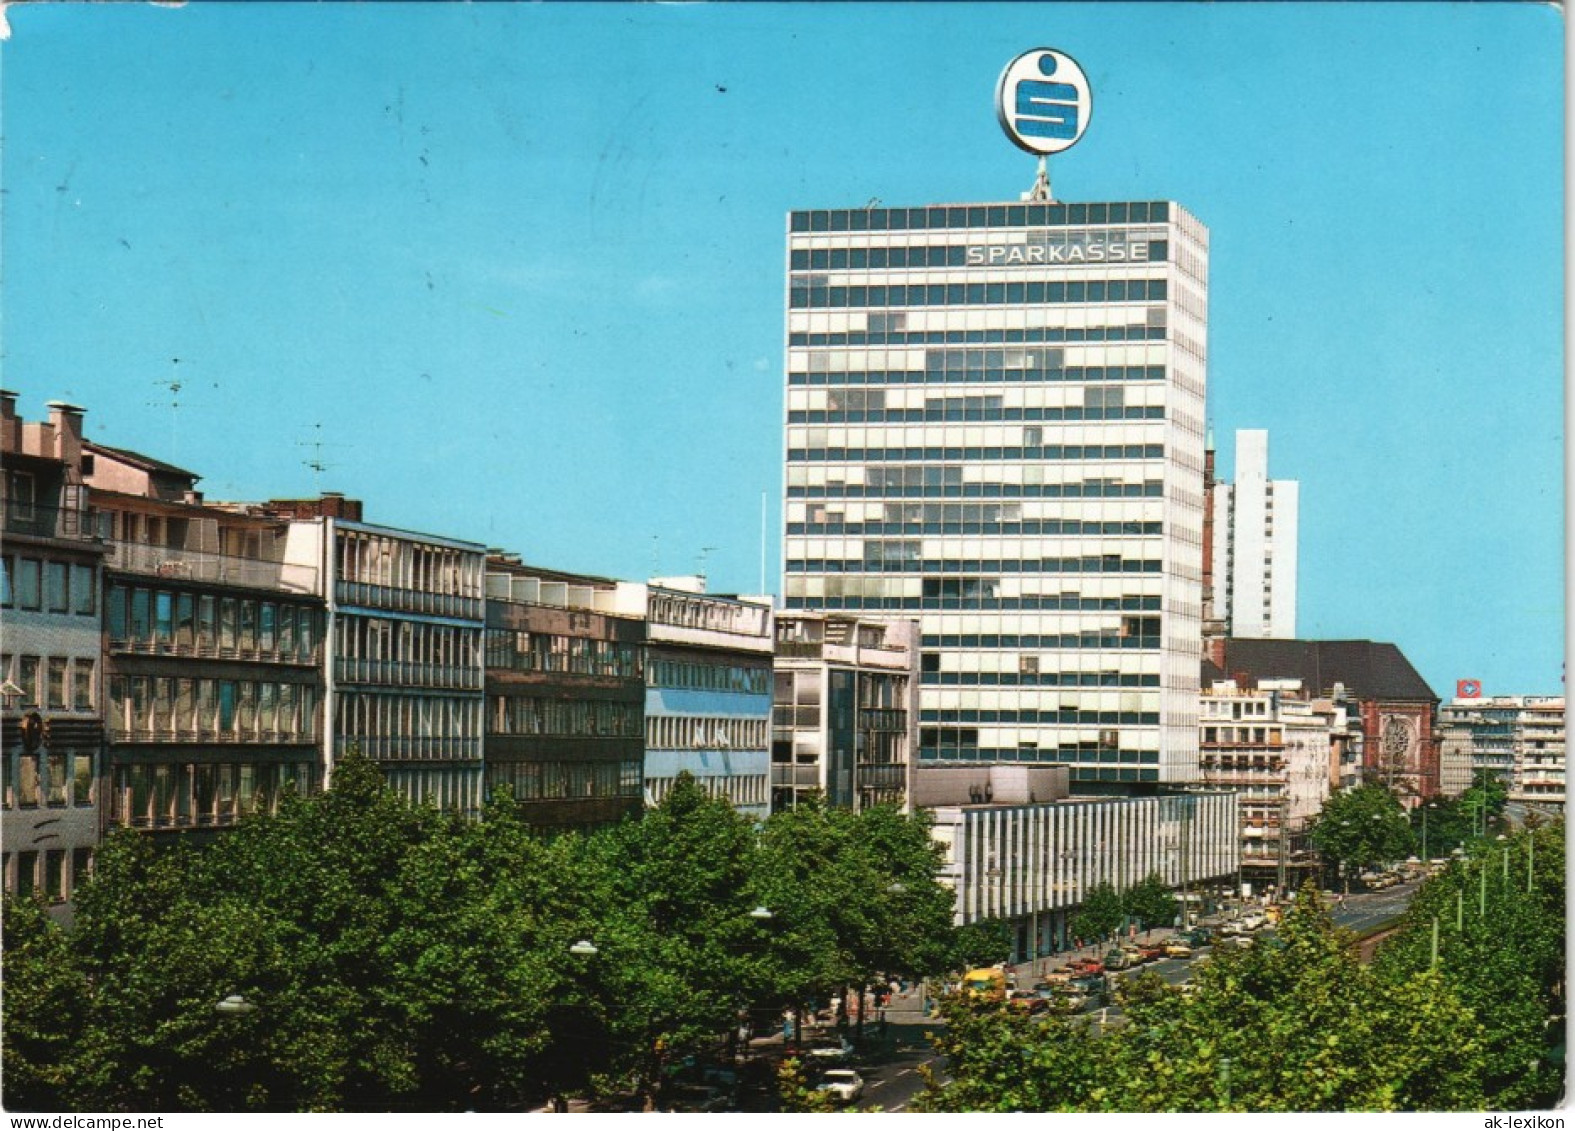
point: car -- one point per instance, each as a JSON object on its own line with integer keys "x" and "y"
{"x": 1095, "y": 987}
{"x": 697, "y": 1097}
{"x": 830, "y": 1052}
{"x": 1178, "y": 947}
{"x": 1086, "y": 966}
{"x": 1199, "y": 936}
{"x": 1152, "y": 952}
{"x": 1120, "y": 959}
{"x": 1253, "y": 920}
{"x": 844, "y": 1084}
{"x": 1028, "y": 1001}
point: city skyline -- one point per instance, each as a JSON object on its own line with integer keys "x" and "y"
{"x": 488, "y": 283}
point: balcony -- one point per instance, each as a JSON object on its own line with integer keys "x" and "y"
{"x": 399, "y": 673}
{"x": 66, "y": 524}
{"x": 197, "y": 565}
{"x": 419, "y": 601}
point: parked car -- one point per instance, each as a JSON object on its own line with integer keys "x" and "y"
{"x": 698, "y": 1097}
{"x": 1119, "y": 959}
{"x": 1086, "y": 966}
{"x": 844, "y": 1084}
{"x": 1178, "y": 947}
{"x": 1029, "y": 1001}
{"x": 830, "y": 1052}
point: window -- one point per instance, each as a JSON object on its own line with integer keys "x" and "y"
{"x": 27, "y": 781}
{"x": 26, "y": 873}
{"x": 56, "y": 696}
{"x": 56, "y": 599}
{"x": 81, "y": 866}
{"x": 83, "y": 592}
{"x": 207, "y": 631}
{"x": 141, "y": 621}
{"x": 29, "y": 585}
{"x": 82, "y": 779}
{"x": 27, "y": 676}
{"x": 7, "y": 598}
{"x": 227, "y": 623}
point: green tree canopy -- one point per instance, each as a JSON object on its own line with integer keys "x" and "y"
{"x": 1361, "y": 828}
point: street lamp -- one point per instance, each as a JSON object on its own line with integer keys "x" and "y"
{"x": 761, "y": 914}
{"x": 584, "y": 948}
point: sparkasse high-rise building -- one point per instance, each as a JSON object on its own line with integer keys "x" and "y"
{"x": 995, "y": 424}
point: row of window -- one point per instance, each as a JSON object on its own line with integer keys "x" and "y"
{"x": 203, "y": 624}
{"x": 167, "y": 708}
{"x": 684, "y": 732}
{"x": 848, "y": 383}
{"x": 1255, "y": 736}
{"x": 1139, "y": 332}
{"x": 54, "y": 683}
{"x": 1048, "y": 679}
{"x": 962, "y": 414}
{"x": 403, "y": 641}
{"x": 740, "y": 791}
{"x": 973, "y": 455}
{"x": 1028, "y": 716}
{"x": 564, "y": 718}
{"x": 202, "y": 794}
{"x": 1010, "y": 529}
{"x": 979, "y": 216}
{"x": 1086, "y": 489}
{"x": 369, "y": 716}
{"x": 57, "y": 873}
{"x": 550, "y": 781}
{"x": 804, "y": 295}
{"x": 47, "y": 586}
{"x": 1106, "y": 563}
{"x": 693, "y": 675}
{"x": 689, "y": 610}
{"x": 1068, "y": 248}
{"x": 550, "y": 652}
{"x": 398, "y": 563}
{"x": 47, "y": 777}
{"x": 983, "y": 601}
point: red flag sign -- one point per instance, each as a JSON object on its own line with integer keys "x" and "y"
{"x": 1468, "y": 689}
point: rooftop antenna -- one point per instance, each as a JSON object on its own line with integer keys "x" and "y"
{"x": 316, "y": 463}
{"x": 1040, "y": 193}
{"x": 700, "y": 561}
{"x": 174, "y": 384}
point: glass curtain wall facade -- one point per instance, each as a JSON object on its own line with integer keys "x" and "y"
{"x": 995, "y": 423}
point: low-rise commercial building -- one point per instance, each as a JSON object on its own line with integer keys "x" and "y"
{"x": 1019, "y": 849}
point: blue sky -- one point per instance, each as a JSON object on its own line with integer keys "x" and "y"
{"x": 519, "y": 268}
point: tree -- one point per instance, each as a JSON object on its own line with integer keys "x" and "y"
{"x": 45, "y": 988}
{"x": 1150, "y": 902}
{"x": 1300, "y": 1026}
{"x": 1100, "y": 914}
{"x": 1361, "y": 828}
{"x": 1500, "y": 948}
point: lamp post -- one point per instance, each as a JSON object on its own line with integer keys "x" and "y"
{"x": 234, "y": 1004}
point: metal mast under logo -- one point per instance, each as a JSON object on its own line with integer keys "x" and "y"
{"x": 1043, "y": 103}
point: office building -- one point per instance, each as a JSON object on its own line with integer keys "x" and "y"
{"x": 212, "y": 652}
{"x": 995, "y": 424}
{"x": 1254, "y": 545}
{"x": 51, "y": 727}
{"x": 565, "y": 729}
{"x": 844, "y": 709}
{"x": 707, "y": 690}
{"x": 1518, "y": 738}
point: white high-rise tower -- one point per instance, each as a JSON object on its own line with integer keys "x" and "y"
{"x": 1254, "y": 563}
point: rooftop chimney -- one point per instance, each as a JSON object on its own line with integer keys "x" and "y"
{"x": 66, "y": 420}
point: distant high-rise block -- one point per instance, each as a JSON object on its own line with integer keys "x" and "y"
{"x": 1254, "y": 564}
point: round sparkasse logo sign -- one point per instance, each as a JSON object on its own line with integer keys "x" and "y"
{"x": 1043, "y": 101}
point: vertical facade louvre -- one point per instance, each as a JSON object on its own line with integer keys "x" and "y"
{"x": 994, "y": 423}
